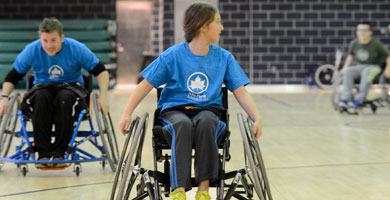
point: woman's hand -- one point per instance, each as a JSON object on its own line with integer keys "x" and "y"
{"x": 124, "y": 124}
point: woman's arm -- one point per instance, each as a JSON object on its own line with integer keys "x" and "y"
{"x": 247, "y": 103}
{"x": 139, "y": 93}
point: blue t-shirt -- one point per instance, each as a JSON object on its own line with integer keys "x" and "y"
{"x": 64, "y": 67}
{"x": 192, "y": 79}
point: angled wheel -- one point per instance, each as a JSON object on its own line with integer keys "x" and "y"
{"x": 385, "y": 89}
{"x": 323, "y": 76}
{"x": 107, "y": 134}
{"x": 257, "y": 174}
{"x": 121, "y": 166}
{"x": 336, "y": 92}
{"x": 8, "y": 124}
{"x": 132, "y": 162}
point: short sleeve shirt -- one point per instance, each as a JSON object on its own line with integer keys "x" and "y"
{"x": 371, "y": 53}
{"x": 192, "y": 79}
{"x": 64, "y": 67}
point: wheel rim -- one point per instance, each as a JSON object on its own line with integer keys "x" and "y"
{"x": 136, "y": 143}
{"x": 104, "y": 134}
{"x": 323, "y": 76}
{"x": 7, "y": 125}
{"x": 255, "y": 178}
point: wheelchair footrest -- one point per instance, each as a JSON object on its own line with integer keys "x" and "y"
{"x": 53, "y": 166}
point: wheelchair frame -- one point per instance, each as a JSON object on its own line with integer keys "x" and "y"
{"x": 74, "y": 154}
{"x": 383, "y": 100}
{"x": 251, "y": 177}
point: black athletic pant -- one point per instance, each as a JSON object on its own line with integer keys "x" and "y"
{"x": 52, "y": 105}
{"x": 184, "y": 132}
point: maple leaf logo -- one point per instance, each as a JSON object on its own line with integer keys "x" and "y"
{"x": 197, "y": 84}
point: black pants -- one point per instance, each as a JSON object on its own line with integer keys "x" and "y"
{"x": 184, "y": 132}
{"x": 53, "y": 105}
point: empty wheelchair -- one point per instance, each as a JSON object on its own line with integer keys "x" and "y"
{"x": 378, "y": 96}
{"x": 133, "y": 181}
{"x": 103, "y": 139}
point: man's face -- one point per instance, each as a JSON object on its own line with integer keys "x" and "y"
{"x": 363, "y": 32}
{"x": 51, "y": 42}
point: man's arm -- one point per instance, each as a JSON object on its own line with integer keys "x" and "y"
{"x": 103, "y": 78}
{"x": 7, "y": 89}
{"x": 387, "y": 70}
{"x": 12, "y": 79}
{"x": 347, "y": 63}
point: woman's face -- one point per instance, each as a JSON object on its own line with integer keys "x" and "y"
{"x": 214, "y": 29}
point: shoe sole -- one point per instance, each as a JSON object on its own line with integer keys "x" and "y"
{"x": 40, "y": 165}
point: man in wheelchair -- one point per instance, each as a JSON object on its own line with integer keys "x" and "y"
{"x": 367, "y": 53}
{"x": 58, "y": 89}
{"x": 194, "y": 72}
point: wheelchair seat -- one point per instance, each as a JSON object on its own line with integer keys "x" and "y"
{"x": 87, "y": 78}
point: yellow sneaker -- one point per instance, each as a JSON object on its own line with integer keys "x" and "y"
{"x": 202, "y": 195}
{"x": 178, "y": 195}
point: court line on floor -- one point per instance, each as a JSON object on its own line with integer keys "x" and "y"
{"x": 329, "y": 165}
{"x": 277, "y": 101}
{"x": 50, "y": 189}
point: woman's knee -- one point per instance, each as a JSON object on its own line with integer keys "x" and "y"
{"x": 206, "y": 120}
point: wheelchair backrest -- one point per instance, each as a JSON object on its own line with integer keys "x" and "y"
{"x": 87, "y": 82}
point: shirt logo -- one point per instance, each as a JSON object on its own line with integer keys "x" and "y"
{"x": 362, "y": 54}
{"x": 197, "y": 83}
{"x": 55, "y": 72}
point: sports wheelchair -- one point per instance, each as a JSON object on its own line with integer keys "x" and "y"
{"x": 152, "y": 183}
{"x": 24, "y": 153}
{"x": 374, "y": 100}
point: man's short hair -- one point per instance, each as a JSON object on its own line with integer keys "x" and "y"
{"x": 49, "y": 25}
{"x": 365, "y": 23}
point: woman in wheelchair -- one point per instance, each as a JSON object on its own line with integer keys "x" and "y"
{"x": 367, "y": 53}
{"x": 58, "y": 87}
{"x": 193, "y": 73}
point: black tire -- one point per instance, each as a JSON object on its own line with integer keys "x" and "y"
{"x": 133, "y": 159}
{"x": 257, "y": 176}
{"x": 323, "y": 76}
{"x": 8, "y": 124}
{"x": 106, "y": 134}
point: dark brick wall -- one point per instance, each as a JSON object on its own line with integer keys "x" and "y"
{"x": 168, "y": 24}
{"x": 62, "y": 9}
{"x": 156, "y": 27}
{"x": 292, "y": 37}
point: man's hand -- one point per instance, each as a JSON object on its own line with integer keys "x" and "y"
{"x": 341, "y": 72}
{"x": 124, "y": 124}
{"x": 103, "y": 104}
{"x": 387, "y": 73}
{"x": 3, "y": 106}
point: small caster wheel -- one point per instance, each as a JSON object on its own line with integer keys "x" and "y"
{"x": 77, "y": 169}
{"x": 23, "y": 169}
{"x": 103, "y": 164}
